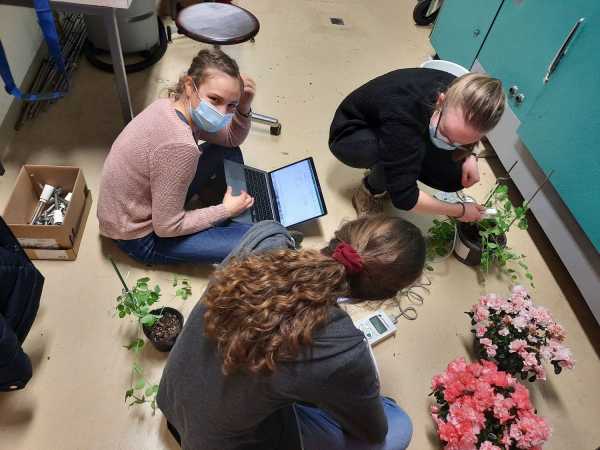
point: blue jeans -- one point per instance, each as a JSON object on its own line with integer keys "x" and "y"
{"x": 320, "y": 431}
{"x": 207, "y": 246}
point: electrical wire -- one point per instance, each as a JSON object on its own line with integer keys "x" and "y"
{"x": 415, "y": 297}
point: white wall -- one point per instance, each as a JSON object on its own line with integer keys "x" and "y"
{"x": 21, "y": 38}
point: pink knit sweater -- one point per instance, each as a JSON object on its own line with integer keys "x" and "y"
{"x": 148, "y": 171}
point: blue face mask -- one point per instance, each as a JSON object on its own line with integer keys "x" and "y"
{"x": 207, "y": 118}
{"x": 437, "y": 140}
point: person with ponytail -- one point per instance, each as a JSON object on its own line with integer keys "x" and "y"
{"x": 414, "y": 125}
{"x": 156, "y": 175}
{"x": 268, "y": 360}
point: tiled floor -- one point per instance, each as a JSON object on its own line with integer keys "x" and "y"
{"x": 303, "y": 66}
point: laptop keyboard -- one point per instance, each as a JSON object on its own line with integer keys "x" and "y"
{"x": 256, "y": 183}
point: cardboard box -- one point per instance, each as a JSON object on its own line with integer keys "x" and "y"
{"x": 69, "y": 254}
{"x": 48, "y": 241}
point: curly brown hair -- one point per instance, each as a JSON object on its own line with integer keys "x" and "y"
{"x": 263, "y": 309}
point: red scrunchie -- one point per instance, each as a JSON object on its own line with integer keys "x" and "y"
{"x": 349, "y": 257}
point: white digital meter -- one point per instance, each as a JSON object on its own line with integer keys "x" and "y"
{"x": 376, "y": 327}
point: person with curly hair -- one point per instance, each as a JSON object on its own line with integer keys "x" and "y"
{"x": 268, "y": 360}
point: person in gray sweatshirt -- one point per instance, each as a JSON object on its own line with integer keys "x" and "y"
{"x": 267, "y": 358}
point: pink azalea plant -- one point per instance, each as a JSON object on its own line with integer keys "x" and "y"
{"x": 518, "y": 335}
{"x": 482, "y": 408}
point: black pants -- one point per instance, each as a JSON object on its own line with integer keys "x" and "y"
{"x": 359, "y": 149}
{"x": 209, "y": 181}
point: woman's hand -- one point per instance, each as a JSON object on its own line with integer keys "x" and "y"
{"x": 473, "y": 212}
{"x": 247, "y": 94}
{"x": 470, "y": 172}
{"x": 235, "y": 205}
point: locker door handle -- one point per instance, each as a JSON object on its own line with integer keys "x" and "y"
{"x": 562, "y": 50}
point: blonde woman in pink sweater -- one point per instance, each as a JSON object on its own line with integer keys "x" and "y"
{"x": 155, "y": 166}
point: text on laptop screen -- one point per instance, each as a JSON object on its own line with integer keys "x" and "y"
{"x": 297, "y": 193}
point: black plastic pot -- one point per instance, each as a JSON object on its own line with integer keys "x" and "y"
{"x": 164, "y": 345}
{"x": 468, "y": 245}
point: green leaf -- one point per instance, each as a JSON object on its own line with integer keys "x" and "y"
{"x": 529, "y": 276}
{"x": 492, "y": 245}
{"x": 152, "y": 390}
{"x": 137, "y": 345}
{"x": 137, "y": 369}
{"x": 148, "y": 320}
{"x": 128, "y": 393}
{"x": 140, "y": 384}
{"x": 143, "y": 280}
{"x": 523, "y": 224}
{"x": 121, "y": 314}
{"x": 157, "y": 289}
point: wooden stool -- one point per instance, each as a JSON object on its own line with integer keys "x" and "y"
{"x": 222, "y": 24}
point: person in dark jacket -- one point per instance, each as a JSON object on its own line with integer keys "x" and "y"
{"x": 416, "y": 124}
{"x": 268, "y": 360}
{"x": 20, "y": 291}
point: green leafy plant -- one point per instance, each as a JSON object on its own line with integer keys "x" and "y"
{"x": 186, "y": 288}
{"x": 138, "y": 302}
{"x": 440, "y": 239}
{"x": 495, "y": 252}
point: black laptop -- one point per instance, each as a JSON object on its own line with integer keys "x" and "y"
{"x": 289, "y": 195}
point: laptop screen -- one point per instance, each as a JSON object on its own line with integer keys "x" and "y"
{"x": 297, "y": 193}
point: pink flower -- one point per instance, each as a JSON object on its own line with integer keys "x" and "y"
{"x": 540, "y": 373}
{"x": 563, "y": 354}
{"x": 486, "y": 342}
{"x": 481, "y": 313}
{"x": 534, "y": 430}
{"x": 480, "y": 331}
{"x": 490, "y": 347}
{"x": 519, "y": 322}
{"x": 515, "y": 432}
{"x": 458, "y": 365}
{"x": 502, "y": 407}
{"x": 503, "y": 331}
{"x": 519, "y": 291}
{"x": 506, "y": 440}
{"x": 487, "y": 445}
{"x": 501, "y": 379}
{"x": 545, "y": 353}
{"x": 542, "y": 315}
{"x": 517, "y": 346}
{"x": 483, "y": 396}
{"x": 529, "y": 359}
{"x": 521, "y": 398}
{"x": 557, "y": 332}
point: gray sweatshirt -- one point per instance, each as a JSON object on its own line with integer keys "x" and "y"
{"x": 245, "y": 411}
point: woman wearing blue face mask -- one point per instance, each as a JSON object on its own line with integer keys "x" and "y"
{"x": 416, "y": 124}
{"x": 155, "y": 167}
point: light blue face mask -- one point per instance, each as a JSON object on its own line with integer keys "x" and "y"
{"x": 207, "y": 118}
{"x": 438, "y": 141}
